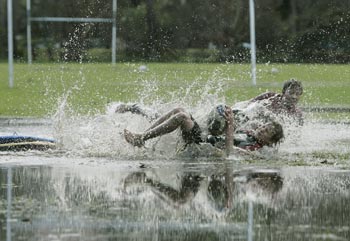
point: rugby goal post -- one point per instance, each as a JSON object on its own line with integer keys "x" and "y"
{"x": 10, "y": 41}
{"x": 112, "y": 20}
{"x": 252, "y": 40}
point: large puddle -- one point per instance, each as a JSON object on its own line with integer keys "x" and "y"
{"x": 174, "y": 201}
{"x": 302, "y": 192}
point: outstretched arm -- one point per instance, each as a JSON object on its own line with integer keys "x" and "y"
{"x": 299, "y": 116}
{"x": 135, "y": 109}
{"x": 229, "y": 130}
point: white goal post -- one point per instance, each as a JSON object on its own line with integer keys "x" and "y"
{"x": 10, "y": 41}
{"x": 112, "y": 20}
{"x": 114, "y": 34}
{"x": 252, "y": 40}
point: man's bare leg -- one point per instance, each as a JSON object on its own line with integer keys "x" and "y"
{"x": 174, "y": 121}
{"x": 167, "y": 116}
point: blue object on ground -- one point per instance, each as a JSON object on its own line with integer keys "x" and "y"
{"x": 24, "y": 143}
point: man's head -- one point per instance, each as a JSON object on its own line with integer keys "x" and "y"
{"x": 292, "y": 84}
{"x": 292, "y": 90}
{"x": 269, "y": 133}
{"x": 216, "y": 121}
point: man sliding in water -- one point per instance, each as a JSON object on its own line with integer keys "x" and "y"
{"x": 220, "y": 129}
{"x": 282, "y": 104}
{"x": 251, "y": 132}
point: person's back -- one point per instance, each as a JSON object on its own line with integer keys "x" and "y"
{"x": 248, "y": 115}
{"x": 276, "y": 105}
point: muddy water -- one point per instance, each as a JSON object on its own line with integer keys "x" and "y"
{"x": 173, "y": 201}
{"x": 100, "y": 195}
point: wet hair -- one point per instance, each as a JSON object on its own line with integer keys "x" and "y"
{"x": 278, "y": 135}
{"x": 216, "y": 121}
{"x": 292, "y": 84}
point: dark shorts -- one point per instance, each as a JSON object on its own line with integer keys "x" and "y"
{"x": 193, "y": 135}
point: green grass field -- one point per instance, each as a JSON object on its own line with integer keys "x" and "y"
{"x": 39, "y": 87}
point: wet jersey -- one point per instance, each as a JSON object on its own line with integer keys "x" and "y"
{"x": 246, "y": 141}
{"x": 256, "y": 109}
{"x": 276, "y": 104}
{"x": 241, "y": 139}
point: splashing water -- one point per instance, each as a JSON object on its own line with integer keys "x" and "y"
{"x": 102, "y": 135}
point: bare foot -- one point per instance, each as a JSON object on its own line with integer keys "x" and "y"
{"x": 133, "y": 139}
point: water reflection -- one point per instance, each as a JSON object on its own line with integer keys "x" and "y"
{"x": 221, "y": 189}
{"x": 172, "y": 202}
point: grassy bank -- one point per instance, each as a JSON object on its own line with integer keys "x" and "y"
{"x": 89, "y": 87}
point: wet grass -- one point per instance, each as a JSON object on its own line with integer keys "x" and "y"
{"x": 40, "y": 87}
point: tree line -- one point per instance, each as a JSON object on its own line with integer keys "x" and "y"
{"x": 184, "y": 30}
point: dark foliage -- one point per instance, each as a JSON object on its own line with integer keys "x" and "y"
{"x": 183, "y": 30}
